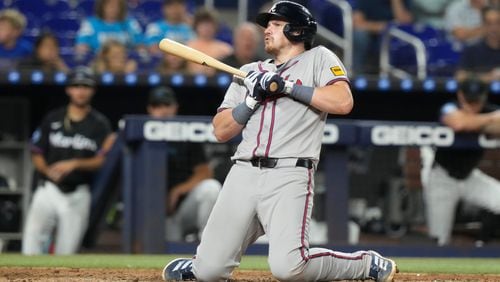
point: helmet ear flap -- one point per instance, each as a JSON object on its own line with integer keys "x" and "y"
{"x": 293, "y": 33}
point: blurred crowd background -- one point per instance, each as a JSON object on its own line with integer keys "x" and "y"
{"x": 417, "y": 38}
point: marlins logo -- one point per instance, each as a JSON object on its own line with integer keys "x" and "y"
{"x": 337, "y": 71}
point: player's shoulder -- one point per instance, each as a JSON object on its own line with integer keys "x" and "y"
{"x": 257, "y": 65}
{"x": 99, "y": 117}
{"x": 321, "y": 52}
{"x": 56, "y": 114}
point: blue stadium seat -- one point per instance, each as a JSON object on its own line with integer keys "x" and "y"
{"x": 144, "y": 65}
{"x": 66, "y": 41}
{"x": 225, "y": 33}
{"x": 147, "y": 11}
{"x": 63, "y": 26}
{"x": 441, "y": 59}
{"x": 34, "y": 25}
{"x": 42, "y": 8}
{"x": 328, "y": 15}
{"x": 85, "y": 8}
{"x": 69, "y": 57}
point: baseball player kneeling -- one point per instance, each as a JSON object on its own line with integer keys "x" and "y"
{"x": 280, "y": 109}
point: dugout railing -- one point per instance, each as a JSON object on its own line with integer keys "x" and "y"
{"x": 144, "y": 166}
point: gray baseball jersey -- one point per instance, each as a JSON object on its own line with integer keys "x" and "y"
{"x": 276, "y": 201}
{"x": 285, "y": 128}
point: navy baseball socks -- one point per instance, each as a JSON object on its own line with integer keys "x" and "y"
{"x": 180, "y": 269}
{"x": 382, "y": 269}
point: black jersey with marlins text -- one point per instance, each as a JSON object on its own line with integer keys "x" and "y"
{"x": 58, "y": 138}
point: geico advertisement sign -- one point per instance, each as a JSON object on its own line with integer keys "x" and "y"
{"x": 178, "y": 131}
{"x": 412, "y": 135}
{"x": 203, "y": 132}
{"x": 331, "y": 134}
{"x": 486, "y": 142}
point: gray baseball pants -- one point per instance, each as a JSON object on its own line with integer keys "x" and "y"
{"x": 277, "y": 201}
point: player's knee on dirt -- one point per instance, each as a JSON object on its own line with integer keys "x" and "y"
{"x": 287, "y": 267}
{"x": 210, "y": 272}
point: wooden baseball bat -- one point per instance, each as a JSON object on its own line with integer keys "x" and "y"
{"x": 195, "y": 56}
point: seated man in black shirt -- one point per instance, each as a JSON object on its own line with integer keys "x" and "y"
{"x": 192, "y": 191}
{"x": 454, "y": 175}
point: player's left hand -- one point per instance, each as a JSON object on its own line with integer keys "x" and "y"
{"x": 267, "y": 79}
{"x": 251, "y": 82}
{"x": 58, "y": 170}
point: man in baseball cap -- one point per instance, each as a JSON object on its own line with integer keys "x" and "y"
{"x": 455, "y": 175}
{"x": 191, "y": 188}
{"x": 162, "y": 102}
{"x": 473, "y": 90}
{"x": 68, "y": 148}
{"x": 83, "y": 76}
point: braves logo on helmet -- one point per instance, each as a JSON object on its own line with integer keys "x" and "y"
{"x": 301, "y": 25}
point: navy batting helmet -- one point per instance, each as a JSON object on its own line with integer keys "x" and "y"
{"x": 301, "y": 24}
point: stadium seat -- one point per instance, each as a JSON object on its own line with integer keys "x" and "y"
{"x": 42, "y": 8}
{"x": 34, "y": 25}
{"x": 147, "y": 12}
{"x": 441, "y": 56}
{"x": 63, "y": 26}
{"x": 66, "y": 41}
{"x": 225, "y": 33}
{"x": 85, "y": 8}
{"x": 328, "y": 15}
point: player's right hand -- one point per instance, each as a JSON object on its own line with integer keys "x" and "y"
{"x": 272, "y": 83}
{"x": 252, "y": 83}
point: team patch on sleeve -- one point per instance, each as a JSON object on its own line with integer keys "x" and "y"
{"x": 337, "y": 71}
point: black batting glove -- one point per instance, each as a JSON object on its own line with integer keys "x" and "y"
{"x": 272, "y": 83}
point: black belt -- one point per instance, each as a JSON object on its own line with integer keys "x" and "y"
{"x": 273, "y": 162}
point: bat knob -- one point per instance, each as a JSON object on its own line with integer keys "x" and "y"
{"x": 273, "y": 87}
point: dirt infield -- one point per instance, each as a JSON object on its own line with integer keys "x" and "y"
{"x": 27, "y": 274}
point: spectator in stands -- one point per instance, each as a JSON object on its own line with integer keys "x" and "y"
{"x": 173, "y": 25}
{"x": 246, "y": 41}
{"x": 454, "y": 175}
{"x": 370, "y": 20}
{"x": 110, "y": 22}
{"x": 46, "y": 55}
{"x": 205, "y": 25}
{"x": 12, "y": 47}
{"x": 463, "y": 20}
{"x": 429, "y": 12}
{"x": 192, "y": 191}
{"x": 483, "y": 58}
{"x": 67, "y": 148}
{"x": 170, "y": 64}
{"x": 113, "y": 57}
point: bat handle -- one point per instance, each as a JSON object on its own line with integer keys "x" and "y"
{"x": 273, "y": 87}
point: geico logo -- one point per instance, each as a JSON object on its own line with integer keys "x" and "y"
{"x": 178, "y": 131}
{"x": 412, "y": 135}
{"x": 330, "y": 134}
{"x": 486, "y": 142}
